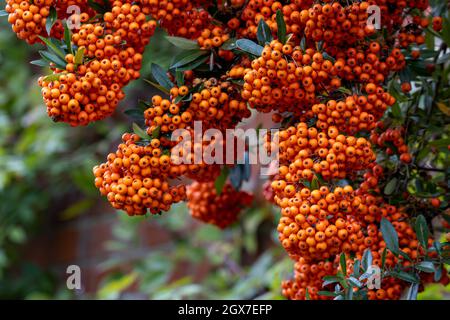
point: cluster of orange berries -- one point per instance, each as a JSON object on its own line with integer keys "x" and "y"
{"x": 28, "y": 19}
{"x": 305, "y": 151}
{"x": 136, "y": 178}
{"x": 214, "y": 105}
{"x": 317, "y": 225}
{"x": 221, "y": 209}
{"x": 354, "y": 113}
{"x": 285, "y": 78}
{"x": 90, "y": 90}
{"x": 392, "y": 140}
{"x": 364, "y": 64}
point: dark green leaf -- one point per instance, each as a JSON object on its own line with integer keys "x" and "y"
{"x": 161, "y": 77}
{"x": 343, "y": 263}
{"x": 230, "y": 44}
{"x": 140, "y": 132}
{"x": 183, "y": 43}
{"x": 40, "y": 63}
{"x": 389, "y": 235}
{"x": 356, "y": 268}
{"x": 327, "y": 294}
{"x": 422, "y": 231}
{"x": 157, "y": 86}
{"x": 390, "y": 186}
{"x": 51, "y": 20}
{"x": 249, "y": 47}
{"x": 221, "y": 180}
{"x": 402, "y": 275}
{"x": 53, "y": 48}
{"x": 383, "y": 258}
{"x": 438, "y": 274}
{"x": 188, "y": 57}
{"x": 412, "y": 292}
{"x": 354, "y": 282}
{"x": 50, "y": 57}
{"x": 195, "y": 64}
{"x": 179, "y": 76}
{"x": 281, "y": 26}
{"x": 264, "y": 34}
{"x": 236, "y": 177}
{"x": 68, "y": 38}
{"x": 426, "y": 266}
{"x": 156, "y": 132}
{"x": 366, "y": 259}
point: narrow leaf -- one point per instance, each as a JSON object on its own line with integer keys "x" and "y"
{"x": 389, "y": 235}
{"x": 221, "y": 180}
{"x": 281, "y": 24}
{"x": 422, "y": 231}
{"x": 51, "y": 20}
{"x": 249, "y": 47}
{"x": 183, "y": 43}
{"x": 161, "y": 77}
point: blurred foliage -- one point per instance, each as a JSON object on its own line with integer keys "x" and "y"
{"x": 45, "y": 169}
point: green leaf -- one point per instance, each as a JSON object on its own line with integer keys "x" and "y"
{"x": 426, "y": 266}
{"x": 40, "y": 63}
{"x": 390, "y": 186}
{"x": 356, "y": 268}
{"x": 327, "y": 280}
{"x": 249, "y": 47}
{"x": 53, "y": 48}
{"x": 100, "y": 8}
{"x": 402, "y": 275}
{"x": 50, "y": 57}
{"x": 194, "y": 64}
{"x": 389, "y": 235}
{"x": 326, "y": 56}
{"x": 281, "y": 24}
{"x": 179, "y": 76}
{"x": 366, "y": 259}
{"x": 315, "y": 183}
{"x": 221, "y": 180}
{"x": 156, "y": 132}
{"x": 396, "y": 111}
{"x": 307, "y": 295}
{"x": 263, "y": 34}
{"x": 51, "y": 20}
{"x": 79, "y": 57}
{"x": 188, "y": 57}
{"x": 236, "y": 177}
{"x": 140, "y": 132}
{"x": 412, "y": 292}
{"x": 3, "y": 13}
{"x": 343, "y": 264}
{"x": 161, "y": 77}
{"x": 327, "y": 294}
{"x": 157, "y": 86}
{"x": 52, "y": 77}
{"x": 422, "y": 231}
{"x": 230, "y": 44}
{"x": 183, "y": 43}
{"x": 354, "y": 282}
{"x": 383, "y": 258}
{"x": 68, "y": 38}
{"x": 135, "y": 114}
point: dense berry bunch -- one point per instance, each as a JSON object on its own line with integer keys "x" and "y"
{"x": 221, "y": 209}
